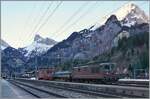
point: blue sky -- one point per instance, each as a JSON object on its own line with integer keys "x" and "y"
{"x": 20, "y": 17}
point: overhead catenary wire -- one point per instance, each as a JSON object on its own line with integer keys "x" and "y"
{"x": 50, "y": 15}
{"x": 30, "y": 16}
{"x": 72, "y": 16}
{"x": 27, "y": 20}
{"x": 42, "y": 17}
{"x": 42, "y": 25}
{"x": 34, "y": 19}
{"x": 81, "y": 18}
{"x": 104, "y": 17}
{"x": 83, "y": 15}
{"x": 112, "y": 12}
{"x": 108, "y": 14}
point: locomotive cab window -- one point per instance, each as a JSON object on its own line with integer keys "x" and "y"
{"x": 78, "y": 69}
{"x": 106, "y": 67}
{"x": 100, "y": 68}
{"x": 112, "y": 66}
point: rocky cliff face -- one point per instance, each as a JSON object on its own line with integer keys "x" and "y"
{"x": 39, "y": 46}
{"x": 12, "y": 61}
{"x": 88, "y": 43}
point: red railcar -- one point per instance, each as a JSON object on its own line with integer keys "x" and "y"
{"x": 45, "y": 73}
{"x": 95, "y": 72}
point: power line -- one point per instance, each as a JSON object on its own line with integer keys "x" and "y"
{"x": 41, "y": 26}
{"x": 28, "y": 18}
{"x": 108, "y": 14}
{"x": 72, "y": 16}
{"x": 112, "y": 12}
{"x": 81, "y": 16}
{"x": 94, "y": 22}
{"x": 42, "y": 17}
{"x": 34, "y": 19}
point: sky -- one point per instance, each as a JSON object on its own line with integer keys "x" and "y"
{"x": 22, "y": 20}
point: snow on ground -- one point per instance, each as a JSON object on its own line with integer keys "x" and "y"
{"x": 134, "y": 80}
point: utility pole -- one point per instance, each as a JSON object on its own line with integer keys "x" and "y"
{"x": 36, "y": 63}
{"x": 58, "y": 63}
{"x": 134, "y": 73}
{"x": 15, "y": 73}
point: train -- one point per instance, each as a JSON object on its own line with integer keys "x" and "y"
{"x": 45, "y": 73}
{"x": 103, "y": 72}
{"x": 93, "y": 72}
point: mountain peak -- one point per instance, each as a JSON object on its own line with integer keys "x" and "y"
{"x": 131, "y": 14}
{"x": 125, "y": 10}
{"x": 130, "y": 6}
{"x": 37, "y": 37}
{"x": 39, "y": 46}
{"x": 112, "y": 18}
{"x": 4, "y": 44}
{"x": 47, "y": 41}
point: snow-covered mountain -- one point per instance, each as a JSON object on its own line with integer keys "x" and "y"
{"x": 39, "y": 46}
{"x": 4, "y": 45}
{"x": 82, "y": 44}
{"x": 129, "y": 15}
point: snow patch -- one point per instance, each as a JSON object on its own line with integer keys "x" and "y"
{"x": 97, "y": 25}
{"x": 3, "y": 47}
{"x": 130, "y": 13}
{"x": 37, "y": 47}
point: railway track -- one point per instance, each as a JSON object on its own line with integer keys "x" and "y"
{"x": 82, "y": 90}
{"x": 36, "y": 92}
{"x": 97, "y": 94}
{"x": 98, "y": 90}
{"x": 124, "y": 84}
{"x": 132, "y": 85}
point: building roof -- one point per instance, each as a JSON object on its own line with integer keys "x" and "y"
{"x": 87, "y": 65}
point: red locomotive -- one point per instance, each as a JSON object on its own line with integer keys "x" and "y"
{"x": 45, "y": 73}
{"x": 93, "y": 72}
{"x": 97, "y": 72}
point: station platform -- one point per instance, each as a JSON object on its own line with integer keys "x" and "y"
{"x": 11, "y": 91}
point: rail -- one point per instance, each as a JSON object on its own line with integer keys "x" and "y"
{"x": 38, "y": 90}
{"x": 124, "y": 91}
